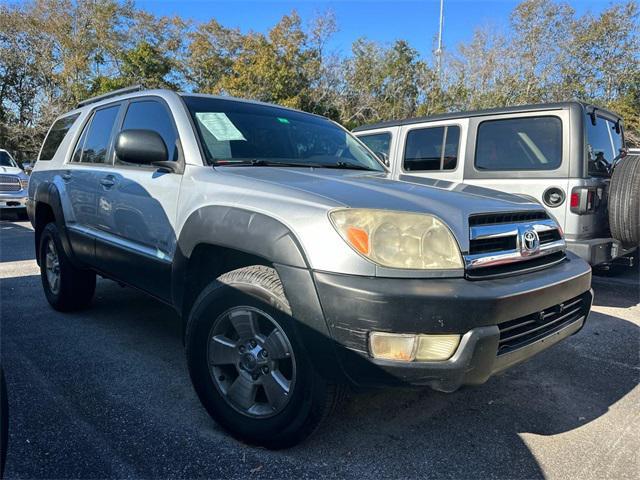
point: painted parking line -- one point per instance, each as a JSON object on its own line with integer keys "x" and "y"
{"x": 21, "y": 268}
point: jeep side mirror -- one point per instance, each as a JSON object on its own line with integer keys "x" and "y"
{"x": 144, "y": 147}
{"x": 384, "y": 157}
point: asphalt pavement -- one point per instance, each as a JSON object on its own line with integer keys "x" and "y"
{"x": 105, "y": 393}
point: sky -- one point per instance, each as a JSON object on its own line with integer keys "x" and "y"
{"x": 380, "y": 20}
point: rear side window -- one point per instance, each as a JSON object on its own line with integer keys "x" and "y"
{"x": 93, "y": 146}
{"x": 531, "y": 143}
{"x": 434, "y": 148}
{"x": 152, "y": 115}
{"x": 55, "y": 136}
{"x": 377, "y": 142}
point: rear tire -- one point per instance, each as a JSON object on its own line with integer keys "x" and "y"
{"x": 254, "y": 296}
{"x": 66, "y": 287}
{"x": 624, "y": 201}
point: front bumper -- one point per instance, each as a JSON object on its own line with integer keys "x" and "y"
{"x": 355, "y": 306}
{"x": 598, "y": 250}
{"x": 13, "y": 199}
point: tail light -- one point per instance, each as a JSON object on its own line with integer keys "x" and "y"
{"x": 585, "y": 200}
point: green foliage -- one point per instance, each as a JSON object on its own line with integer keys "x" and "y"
{"x": 54, "y": 53}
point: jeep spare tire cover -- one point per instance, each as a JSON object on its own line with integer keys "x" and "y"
{"x": 624, "y": 201}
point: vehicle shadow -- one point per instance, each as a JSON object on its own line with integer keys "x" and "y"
{"x": 136, "y": 370}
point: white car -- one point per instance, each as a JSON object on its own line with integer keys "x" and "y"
{"x": 13, "y": 183}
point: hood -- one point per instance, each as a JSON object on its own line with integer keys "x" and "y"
{"x": 355, "y": 189}
{"x": 11, "y": 170}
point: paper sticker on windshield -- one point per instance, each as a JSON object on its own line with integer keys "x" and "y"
{"x": 219, "y": 125}
{"x": 283, "y": 120}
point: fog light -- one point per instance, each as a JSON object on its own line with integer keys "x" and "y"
{"x": 407, "y": 347}
{"x": 392, "y": 346}
{"x": 433, "y": 348}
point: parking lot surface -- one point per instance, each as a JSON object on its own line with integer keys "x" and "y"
{"x": 105, "y": 393}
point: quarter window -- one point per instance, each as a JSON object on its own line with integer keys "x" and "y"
{"x": 152, "y": 115}
{"x": 531, "y": 143}
{"x": 55, "y": 136}
{"x": 93, "y": 146}
{"x": 377, "y": 142}
{"x": 434, "y": 148}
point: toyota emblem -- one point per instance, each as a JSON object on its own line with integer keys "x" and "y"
{"x": 530, "y": 241}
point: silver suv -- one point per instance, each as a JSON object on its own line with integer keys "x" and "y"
{"x": 297, "y": 264}
{"x": 569, "y": 156}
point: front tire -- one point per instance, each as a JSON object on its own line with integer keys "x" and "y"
{"x": 66, "y": 287}
{"x": 247, "y": 365}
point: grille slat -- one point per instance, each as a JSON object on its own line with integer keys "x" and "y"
{"x": 523, "y": 331}
{"x": 512, "y": 217}
{"x": 9, "y": 183}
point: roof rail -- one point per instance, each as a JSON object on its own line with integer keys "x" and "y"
{"x": 115, "y": 93}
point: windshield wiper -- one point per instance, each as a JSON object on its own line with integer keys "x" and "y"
{"x": 258, "y": 162}
{"x": 347, "y": 166}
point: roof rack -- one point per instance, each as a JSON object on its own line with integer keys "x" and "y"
{"x": 115, "y": 93}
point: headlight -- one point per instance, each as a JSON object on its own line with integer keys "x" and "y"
{"x": 397, "y": 239}
{"x": 24, "y": 183}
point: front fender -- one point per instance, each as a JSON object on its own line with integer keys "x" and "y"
{"x": 260, "y": 235}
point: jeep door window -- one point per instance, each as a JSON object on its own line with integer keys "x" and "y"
{"x": 379, "y": 143}
{"x": 94, "y": 143}
{"x": 526, "y": 143}
{"x": 236, "y": 132}
{"x": 434, "y": 148}
{"x": 55, "y": 136}
{"x": 152, "y": 115}
{"x": 603, "y": 144}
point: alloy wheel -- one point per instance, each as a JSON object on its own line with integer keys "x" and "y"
{"x": 251, "y": 362}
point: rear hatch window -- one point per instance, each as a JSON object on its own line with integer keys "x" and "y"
{"x": 604, "y": 144}
{"x": 525, "y": 143}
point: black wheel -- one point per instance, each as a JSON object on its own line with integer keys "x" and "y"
{"x": 624, "y": 201}
{"x": 66, "y": 287}
{"x": 247, "y": 365}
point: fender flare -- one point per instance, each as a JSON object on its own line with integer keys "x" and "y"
{"x": 263, "y": 236}
{"x": 47, "y": 193}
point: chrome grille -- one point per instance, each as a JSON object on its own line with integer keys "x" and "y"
{"x": 516, "y": 243}
{"x": 9, "y": 183}
{"x": 522, "y": 331}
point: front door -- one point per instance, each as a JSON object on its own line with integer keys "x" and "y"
{"x": 137, "y": 208}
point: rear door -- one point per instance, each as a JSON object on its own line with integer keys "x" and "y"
{"x": 89, "y": 161}
{"x": 525, "y": 154}
{"x": 433, "y": 150}
{"x": 137, "y": 206}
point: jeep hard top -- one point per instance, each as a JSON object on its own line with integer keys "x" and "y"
{"x": 295, "y": 260}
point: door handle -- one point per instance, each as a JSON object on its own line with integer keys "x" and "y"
{"x": 66, "y": 176}
{"x": 108, "y": 181}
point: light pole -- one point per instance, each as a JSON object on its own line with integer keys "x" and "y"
{"x": 439, "y": 49}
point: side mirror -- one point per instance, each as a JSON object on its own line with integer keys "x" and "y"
{"x": 144, "y": 147}
{"x": 384, "y": 157}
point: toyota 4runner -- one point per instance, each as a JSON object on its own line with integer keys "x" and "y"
{"x": 569, "y": 156}
{"x": 298, "y": 265}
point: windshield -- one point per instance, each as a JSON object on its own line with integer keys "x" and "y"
{"x": 604, "y": 144}
{"x": 6, "y": 160}
{"x": 247, "y": 133}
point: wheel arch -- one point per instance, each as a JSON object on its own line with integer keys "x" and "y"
{"x": 216, "y": 239}
{"x": 48, "y": 208}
